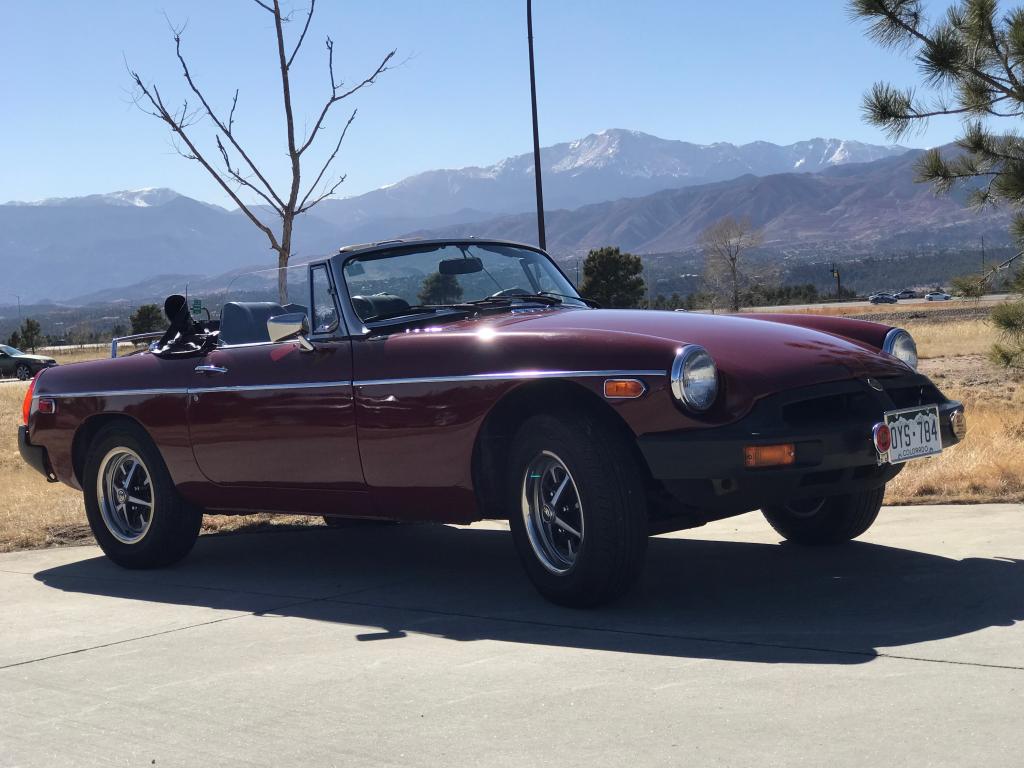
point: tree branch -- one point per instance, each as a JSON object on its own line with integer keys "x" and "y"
{"x": 335, "y": 86}
{"x": 164, "y": 114}
{"x": 226, "y": 129}
{"x": 305, "y": 28}
{"x": 302, "y": 206}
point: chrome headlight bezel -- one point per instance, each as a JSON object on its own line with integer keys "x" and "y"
{"x": 901, "y": 345}
{"x": 694, "y": 393}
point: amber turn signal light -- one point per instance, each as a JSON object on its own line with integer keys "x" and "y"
{"x": 769, "y": 455}
{"x": 623, "y": 388}
{"x": 26, "y": 404}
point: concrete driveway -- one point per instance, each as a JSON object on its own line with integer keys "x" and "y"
{"x": 426, "y": 646}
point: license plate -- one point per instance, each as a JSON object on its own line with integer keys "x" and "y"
{"x": 914, "y": 433}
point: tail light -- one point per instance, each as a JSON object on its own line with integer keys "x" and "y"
{"x": 26, "y": 405}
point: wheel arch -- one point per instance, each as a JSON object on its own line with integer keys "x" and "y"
{"x": 86, "y": 434}
{"x": 494, "y": 438}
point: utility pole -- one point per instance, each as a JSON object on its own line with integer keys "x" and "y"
{"x": 839, "y": 285}
{"x": 541, "y": 236}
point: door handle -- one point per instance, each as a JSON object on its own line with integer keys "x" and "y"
{"x": 210, "y": 369}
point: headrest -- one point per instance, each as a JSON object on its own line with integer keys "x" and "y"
{"x": 245, "y": 322}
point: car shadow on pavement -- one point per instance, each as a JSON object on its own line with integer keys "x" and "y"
{"x": 698, "y": 599}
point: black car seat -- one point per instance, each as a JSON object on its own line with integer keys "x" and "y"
{"x": 245, "y": 322}
{"x": 378, "y": 304}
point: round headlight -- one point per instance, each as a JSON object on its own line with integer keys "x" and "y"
{"x": 694, "y": 378}
{"x": 900, "y": 345}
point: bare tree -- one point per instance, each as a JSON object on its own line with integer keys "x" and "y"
{"x": 723, "y": 243}
{"x": 237, "y": 170}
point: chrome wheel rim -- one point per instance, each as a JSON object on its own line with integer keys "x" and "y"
{"x": 805, "y": 508}
{"x": 552, "y": 512}
{"x": 23, "y": 373}
{"x": 124, "y": 492}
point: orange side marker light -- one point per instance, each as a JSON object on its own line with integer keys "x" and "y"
{"x": 623, "y": 388}
{"x": 769, "y": 455}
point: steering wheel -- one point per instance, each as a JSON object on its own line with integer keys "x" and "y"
{"x": 506, "y": 292}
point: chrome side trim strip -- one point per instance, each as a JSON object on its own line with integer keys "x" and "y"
{"x": 505, "y": 376}
{"x": 508, "y": 376}
{"x": 113, "y": 393}
{"x": 264, "y": 387}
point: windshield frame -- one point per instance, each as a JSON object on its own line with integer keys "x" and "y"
{"x": 390, "y": 249}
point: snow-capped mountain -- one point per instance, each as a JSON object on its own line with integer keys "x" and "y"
{"x": 138, "y": 198}
{"x": 607, "y": 165}
{"x": 85, "y": 244}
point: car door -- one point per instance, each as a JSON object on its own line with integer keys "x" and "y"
{"x": 6, "y": 365}
{"x": 274, "y": 423}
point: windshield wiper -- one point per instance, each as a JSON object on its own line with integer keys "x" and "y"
{"x": 588, "y": 302}
{"x": 415, "y": 309}
{"x": 506, "y": 300}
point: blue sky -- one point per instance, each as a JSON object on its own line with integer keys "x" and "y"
{"x": 731, "y": 71}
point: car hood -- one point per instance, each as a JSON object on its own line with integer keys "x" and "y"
{"x": 34, "y": 358}
{"x": 776, "y": 355}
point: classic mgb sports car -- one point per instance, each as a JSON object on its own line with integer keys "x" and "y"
{"x": 456, "y": 380}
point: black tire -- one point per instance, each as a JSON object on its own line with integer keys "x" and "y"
{"x": 831, "y": 520}
{"x": 612, "y": 508}
{"x": 23, "y": 372}
{"x": 174, "y": 524}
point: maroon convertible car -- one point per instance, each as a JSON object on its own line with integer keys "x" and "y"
{"x": 457, "y": 380}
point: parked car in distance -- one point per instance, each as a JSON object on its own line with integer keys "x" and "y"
{"x": 938, "y": 296}
{"x": 21, "y": 365}
{"x": 906, "y": 293}
{"x": 882, "y": 298}
{"x": 458, "y": 380}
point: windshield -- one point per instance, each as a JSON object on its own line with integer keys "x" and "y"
{"x": 9, "y": 350}
{"x": 385, "y": 284}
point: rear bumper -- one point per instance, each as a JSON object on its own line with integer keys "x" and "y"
{"x": 35, "y": 456}
{"x": 830, "y": 426}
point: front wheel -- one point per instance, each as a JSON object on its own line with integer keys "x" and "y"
{"x": 23, "y": 372}
{"x": 830, "y": 520}
{"x": 134, "y": 510}
{"x": 577, "y": 509}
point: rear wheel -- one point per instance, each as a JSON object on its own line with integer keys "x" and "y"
{"x": 829, "y": 520}
{"x": 134, "y": 510}
{"x": 577, "y": 509}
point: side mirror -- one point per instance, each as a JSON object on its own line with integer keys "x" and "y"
{"x": 288, "y": 327}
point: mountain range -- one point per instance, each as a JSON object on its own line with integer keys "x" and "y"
{"x": 625, "y": 188}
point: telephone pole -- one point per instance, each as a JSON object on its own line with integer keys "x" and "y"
{"x": 541, "y": 236}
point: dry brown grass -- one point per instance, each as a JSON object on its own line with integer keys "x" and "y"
{"x": 965, "y": 337}
{"x": 987, "y": 466}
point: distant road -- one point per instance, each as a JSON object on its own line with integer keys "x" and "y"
{"x": 994, "y": 298}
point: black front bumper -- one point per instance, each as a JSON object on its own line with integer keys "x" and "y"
{"x": 35, "y": 455}
{"x": 830, "y": 426}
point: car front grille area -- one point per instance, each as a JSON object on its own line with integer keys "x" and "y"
{"x": 860, "y": 404}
